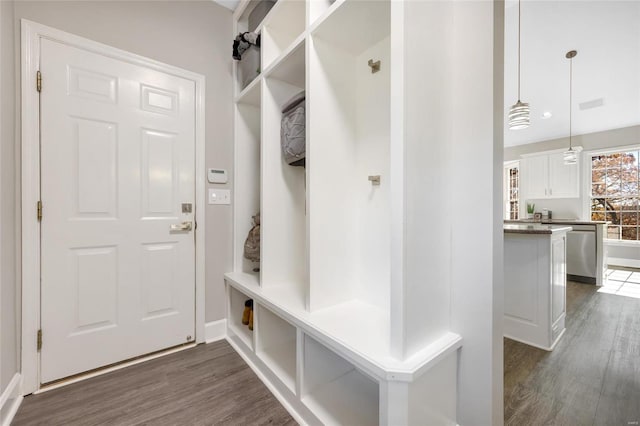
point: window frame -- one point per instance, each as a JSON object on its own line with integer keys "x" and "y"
{"x": 587, "y": 186}
{"x": 506, "y": 199}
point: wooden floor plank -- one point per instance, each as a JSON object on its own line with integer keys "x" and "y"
{"x": 592, "y": 377}
{"x": 206, "y": 385}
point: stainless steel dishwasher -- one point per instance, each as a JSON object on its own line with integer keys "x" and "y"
{"x": 582, "y": 254}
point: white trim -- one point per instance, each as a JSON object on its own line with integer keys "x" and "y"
{"x": 215, "y": 330}
{"x": 526, "y": 342}
{"x": 586, "y": 184}
{"x": 10, "y": 400}
{"x": 624, "y": 262}
{"x": 32, "y": 33}
{"x": 621, "y": 243}
{"x": 604, "y": 151}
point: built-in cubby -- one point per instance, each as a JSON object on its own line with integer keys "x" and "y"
{"x": 284, "y": 192}
{"x": 235, "y": 309}
{"x": 276, "y": 346}
{"x": 349, "y": 177}
{"x": 285, "y": 23}
{"x": 247, "y": 178}
{"x": 335, "y": 391}
{"x": 344, "y": 330}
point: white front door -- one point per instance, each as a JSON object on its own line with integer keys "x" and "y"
{"x": 117, "y": 173}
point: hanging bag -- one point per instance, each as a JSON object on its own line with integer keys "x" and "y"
{"x": 292, "y": 131}
{"x": 252, "y": 243}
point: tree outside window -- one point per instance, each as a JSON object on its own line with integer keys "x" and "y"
{"x": 614, "y": 193}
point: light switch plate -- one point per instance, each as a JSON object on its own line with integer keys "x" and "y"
{"x": 219, "y": 196}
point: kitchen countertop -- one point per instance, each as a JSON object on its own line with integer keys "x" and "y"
{"x": 534, "y": 228}
{"x": 560, "y": 221}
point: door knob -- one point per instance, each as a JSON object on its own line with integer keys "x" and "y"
{"x": 184, "y": 226}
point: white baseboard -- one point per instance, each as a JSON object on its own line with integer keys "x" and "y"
{"x": 10, "y": 400}
{"x": 627, "y": 263}
{"x": 215, "y": 330}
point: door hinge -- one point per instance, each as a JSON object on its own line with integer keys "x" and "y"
{"x": 39, "y": 340}
{"x": 39, "y": 81}
{"x": 39, "y": 209}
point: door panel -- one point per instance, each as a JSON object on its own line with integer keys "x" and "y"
{"x": 95, "y": 166}
{"x": 117, "y": 159}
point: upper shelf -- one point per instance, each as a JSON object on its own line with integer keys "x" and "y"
{"x": 284, "y": 24}
{"x": 289, "y": 67}
{"x": 251, "y": 94}
{"x": 352, "y": 27}
{"x": 249, "y": 11}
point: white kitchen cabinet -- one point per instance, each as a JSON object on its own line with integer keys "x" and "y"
{"x": 563, "y": 179}
{"x": 546, "y": 176}
{"x": 536, "y": 173}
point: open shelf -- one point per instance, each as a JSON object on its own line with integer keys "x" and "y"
{"x": 351, "y": 258}
{"x": 276, "y": 346}
{"x": 250, "y": 95}
{"x": 318, "y": 8}
{"x": 335, "y": 391}
{"x": 290, "y": 67}
{"x": 254, "y": 15}
{"x": 248, "y": 69}
{"x": 247, "y": 178}
{"x": 284, "y": 24}
{"x": 362, "y": 23}
{"x": 251, "y": 19}
{"x": 284, "y": 222}
{"x": 234, "y": 317}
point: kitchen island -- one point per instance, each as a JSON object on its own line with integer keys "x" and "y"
{"x": 535, "y": 283}
{"x": 586, "y": 250}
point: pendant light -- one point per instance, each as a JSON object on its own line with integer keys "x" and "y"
{"x": 519, "y": 112}
{"x": 571, "y": 155}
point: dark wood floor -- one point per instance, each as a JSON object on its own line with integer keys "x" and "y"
{"x": 592, "y": 377}
{"x": 207, "y": 385}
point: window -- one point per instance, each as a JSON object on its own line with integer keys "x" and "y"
{"x": 512, "y": 185}
{"x": 614, "y": 193}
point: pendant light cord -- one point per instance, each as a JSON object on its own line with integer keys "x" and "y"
{"x": 570, "y": 97}
{"x": 519, "y": 14}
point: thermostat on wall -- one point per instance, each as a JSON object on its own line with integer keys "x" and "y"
{"x": 217, "y": 176}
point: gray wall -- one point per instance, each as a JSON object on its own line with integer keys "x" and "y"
{"x": 194, "y": 35}
{"x": 8, "y": 229}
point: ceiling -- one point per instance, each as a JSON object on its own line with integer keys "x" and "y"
{"x": 606, "y": 71}
{"x": 229, "y": 4}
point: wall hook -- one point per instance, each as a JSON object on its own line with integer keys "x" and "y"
{"x": 375, "y": 66}
{"x": 375, "y": 180}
